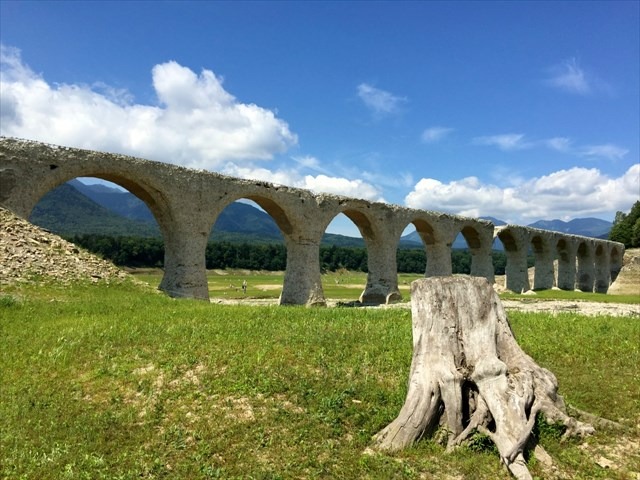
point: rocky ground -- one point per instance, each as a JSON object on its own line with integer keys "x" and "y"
{"x": 628, "y": 281}
{"x": 29, "y": 253}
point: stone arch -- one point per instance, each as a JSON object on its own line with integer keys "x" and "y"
{"x": 479, "y": 238}
{"x": 362, "y": 221}
{"x": 380, "y": 238}
{"x": 292, "y": 212}
{"x": 437, "y": 245}
{"x": 186, "y": 202}
{"x": 192, "y": 285}
{"x": 30, "y": 169}
{"x": 585, "y": 267}
{"x": 279, "y": 215}
{"x": 515, "y": 242}
{"x": 566, "y": 254}
{"x": 152, "y": 197}
{"x": 364, "y": 226}
{"x": 274, "y": 253}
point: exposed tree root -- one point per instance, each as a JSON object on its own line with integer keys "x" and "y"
{"x": 595, "y": 420}
{"x": 469, "y": 373}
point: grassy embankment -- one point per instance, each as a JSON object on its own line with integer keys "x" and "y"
{"x": 114, "y": 382}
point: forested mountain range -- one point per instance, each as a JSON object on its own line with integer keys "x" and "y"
{"x": 78, "y": 208}
{"x": 588, "y": 227}
{"x": 75, "y": 208}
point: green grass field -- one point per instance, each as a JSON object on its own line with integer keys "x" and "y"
{"x": 119, "y": 382}
{"x": 228, "y": 284}
{"x": 345, "y": 286}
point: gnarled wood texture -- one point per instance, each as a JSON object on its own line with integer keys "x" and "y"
{"x": 468, "y": 373}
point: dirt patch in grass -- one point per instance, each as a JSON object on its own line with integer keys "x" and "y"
{"x": 268, "y": 287}
{"x": 555, "y": 307}
{"x": 526, "y": 305}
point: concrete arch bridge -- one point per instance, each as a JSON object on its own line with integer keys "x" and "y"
{"x": 187, "y": 202}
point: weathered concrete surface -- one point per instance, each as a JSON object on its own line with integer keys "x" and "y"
{"x": 566, "y": 255}
{"x": 186, "y": 204}
{"x": 515, "y": 240}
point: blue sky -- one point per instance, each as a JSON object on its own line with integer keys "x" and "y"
{"x": 517, "y": 110}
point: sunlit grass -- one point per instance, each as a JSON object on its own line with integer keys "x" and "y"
{"x": 347, "y": 285}
{"x": 115, "y": 382}
{"x": 344, "y": 285}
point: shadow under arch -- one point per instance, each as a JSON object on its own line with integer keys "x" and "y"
{"x": 274, "y": 210}
{"x": 425, "y": 231}
{"x": 615, "y": 263}
{"x": 602, "y": 271}
{"x": 362, "y": 222}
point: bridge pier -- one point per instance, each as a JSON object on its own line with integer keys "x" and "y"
{"x": 302, "y": 280}
{"x": 479, "y": 238}
{"x": 482, "y": 263}
{"x": 438, "y": 259}
{"x": 615, "y": 261}
{"x": 544, "y": 277}
{"x": 515, "y": 241}
{"x": 602, "y": 270}
{"x": 382, "y": 279}
{"x": 185, "y": 271}
{"x": 586, "y": 268}
{"x": 566, "y": 253}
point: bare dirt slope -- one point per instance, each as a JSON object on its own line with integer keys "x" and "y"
{"x": 29, "y": 253}
{"x": 628, "y": 281}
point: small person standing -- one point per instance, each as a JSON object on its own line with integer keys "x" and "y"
{"x": 244, "y": 287}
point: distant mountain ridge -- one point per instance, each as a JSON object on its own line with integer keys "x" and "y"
{"x": 79, "y": 208}
{"x": 588, "y": 227}
{"x": 67, "y": 211}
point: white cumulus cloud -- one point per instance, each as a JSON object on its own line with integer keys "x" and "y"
{"x": 197, "y": 122}
{"x": 342, "y": 186}
{"x": 321, "y": 183}
{"x": 573, "y": 193}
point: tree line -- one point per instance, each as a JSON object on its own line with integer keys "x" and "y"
{"x": 626, "y": 227}
{"x": 141, "y": 252}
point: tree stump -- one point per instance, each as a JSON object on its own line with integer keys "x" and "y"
{"x": 468, "y": 373}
